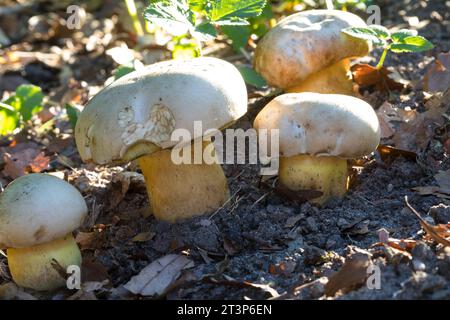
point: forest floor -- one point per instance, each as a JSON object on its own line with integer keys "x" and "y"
{"x": 259, "y": 245}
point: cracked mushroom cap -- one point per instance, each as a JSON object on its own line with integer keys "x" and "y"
{"x": 39, "y": 208}
{"x": 137, "y": 114}
{"x": 321, "y": 125}
{"x": 304, "y": 43}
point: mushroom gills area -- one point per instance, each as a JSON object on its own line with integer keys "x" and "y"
{"x": 182, "y": 191}
{"x": 334, "y": 79}
{"x": 326, "y": 174}
{"x": 31, "y": 267}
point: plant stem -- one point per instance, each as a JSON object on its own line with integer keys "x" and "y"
{"x": 383, "y": 57}
{"x": 131, "y": 7}
{"x": 329, "y": 4}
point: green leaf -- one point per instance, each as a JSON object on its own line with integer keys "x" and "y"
{"x": 239, "y": 35}
{"x": 365, "y": 34}
{"x": 412, "y": 44}
{"x": 122, "y": 70}
{"x": 205, "y": 31}
{"x": 197, "y": 5}
{"x": 234, "y": 10}
{"x": 400, "y": 35}
{"x": 185, "y": 48}
{"x": 252, "y": 77}
{"x": 174, "y": 16}
{"x": 73, "y": 114}
{"x": 28, "y": 100}
{"x": 380, "y": 31}
{"x": 9, "y": 119}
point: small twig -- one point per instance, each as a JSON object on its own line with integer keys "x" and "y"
{"x": 3, "y": 253}
{"x": 223, "y": 206}
{"x": 428, "y": 228}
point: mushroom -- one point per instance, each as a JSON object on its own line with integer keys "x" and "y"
{"x": 38, "y": 213}
{"x": 318, "y": 133}
{"x": 134, "y": 118}
{"x": 307, "y": 52}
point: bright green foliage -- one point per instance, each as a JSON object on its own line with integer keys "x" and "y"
{"x": 398, "y": 42}
{"x": 20, "y": 107}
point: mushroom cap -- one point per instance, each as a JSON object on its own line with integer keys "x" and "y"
{"x": 39, "y": 208}
{"x": 321, "y": 125}
{"x": 306, "y": 42}
{"x": 137, "y": 114}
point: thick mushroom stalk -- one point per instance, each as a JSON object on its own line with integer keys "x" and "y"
{"x": 37, "y": 267}
{"x": 336, "y": 78}
{"x": 38, "y": 213}
{"x": 318, "y": 133}
{"x": 138, "y": 117}
{"x": 180, "y": 191}
{"x": 326, "y": 174}
{"x": 307, "y": 52}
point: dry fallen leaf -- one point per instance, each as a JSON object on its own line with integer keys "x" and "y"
{"x": 158, "y": 276}
{"x": 437, "y": 77}
{"x": 353, "y": 272}
{"x": 25, "y": 161}
{"x": 442, "y": 190}
{"x": 437, "y": 233}
{"x": 384, "y": 80}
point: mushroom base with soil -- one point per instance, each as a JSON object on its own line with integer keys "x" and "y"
{"x": 32, "y": 267}
{"x": 182, "y": 191}
{"x": 333, "y": 79}
{"x": 326, "y": 174}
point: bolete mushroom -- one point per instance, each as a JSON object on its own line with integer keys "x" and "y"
{"x": 135, "y": 116}
{"x": 38, "y": 213}
{"x": 318, "y": 133}
{"x": 307, "y": 52}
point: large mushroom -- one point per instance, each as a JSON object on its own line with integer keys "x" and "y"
{"x": 318, "y": 133}
{"x": 134, "y": 118}
{"x": 38, "y": 213}
{"x": 307, "y": 52}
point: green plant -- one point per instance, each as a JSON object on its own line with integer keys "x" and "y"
{"x": 398, "y": 42}
{"x": 19, "y": 108}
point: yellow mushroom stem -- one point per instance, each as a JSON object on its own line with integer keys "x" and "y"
{"x": 182, "y": 191}
{"x": 32, "y": 267}
{"x": 333, "y": 79}
{"x": 326, "y": 174}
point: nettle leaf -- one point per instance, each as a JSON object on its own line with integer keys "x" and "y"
{"x": 365, "y": 34}
{"x": 238, "y": 35}
{"x": 252, "y": 77}
{"x": 412, "y": 44}
{"x": 197, "y": 5}
{"x": 380, "y": 31}
{"x": 233, "y": 11}
{"x": 174, "y": 16}
{"x": 205, "y": 31}
{"x": 28, "y": 101}
{"x": 398, "y": 36}
{"x": 9, "y": 119}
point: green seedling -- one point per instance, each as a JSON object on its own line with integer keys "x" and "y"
{"x": 19, "y": 108}
{"x": 402, "y": 41}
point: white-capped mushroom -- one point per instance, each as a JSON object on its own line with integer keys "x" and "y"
{"x": 38, "y": 213}
{"x": 318, "y": 133}
{"x": 307, "y": 52}
{"x": 135, "y": 116}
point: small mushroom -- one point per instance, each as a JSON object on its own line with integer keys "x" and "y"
{"x": 318, "y": 133}
{"x": 135, "y": 116}
{"x": 38, "y": 213}
{"x": 307, "y": 52}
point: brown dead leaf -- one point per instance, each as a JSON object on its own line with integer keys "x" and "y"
{"x": 25, "y": 161}
{"x": 157, "y": 277}
{"x": 437, "y": 77}
{"x": 284, "y": 268}
{"x": 85, "y": 239}
{"x": 93, "y": 271}
{"x": 442, "y": 190}
{"x": 437, "y": 233}
{"x": 388, "y": 154}
{"x": 353, "y": 272}
{"x": 367, "y": 76}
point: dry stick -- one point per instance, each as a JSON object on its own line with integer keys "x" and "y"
{"x": 226, "y": 202}
{"x": 428, "y": 228}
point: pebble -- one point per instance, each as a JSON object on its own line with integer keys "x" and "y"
{"x": 418, "y": 265}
